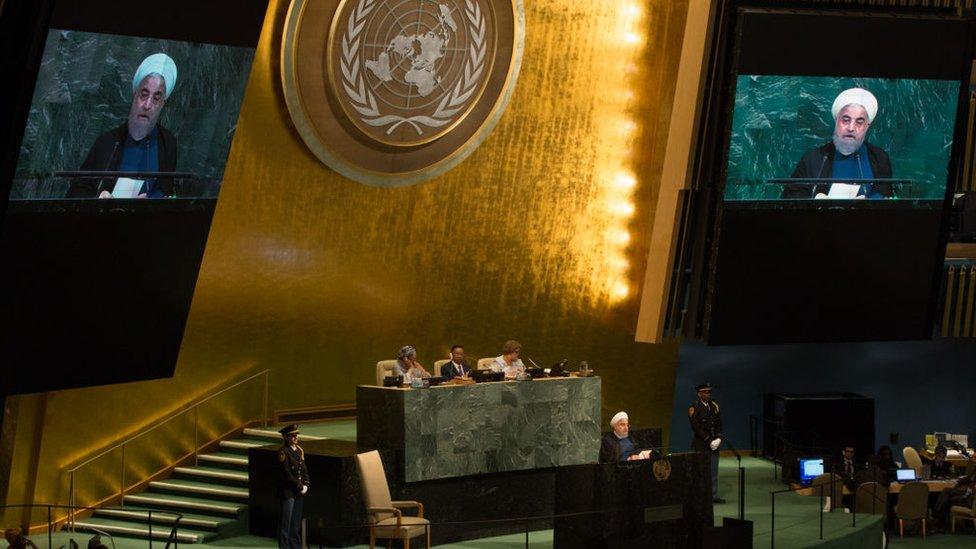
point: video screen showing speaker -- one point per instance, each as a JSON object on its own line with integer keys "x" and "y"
{"x": 126, "y": 131}
{"x": 130, "y": 117}
{"x": 833, "y": 139}
{"x": 840, "y": 138}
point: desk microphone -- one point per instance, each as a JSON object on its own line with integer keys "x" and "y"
{"x": 533, "y": 362}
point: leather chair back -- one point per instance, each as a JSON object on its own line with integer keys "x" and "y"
{"x": 376, "y": 492}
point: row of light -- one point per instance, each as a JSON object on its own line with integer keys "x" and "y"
{"x": 620, "y": 183}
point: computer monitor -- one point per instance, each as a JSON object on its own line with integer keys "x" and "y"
{"x": 905, "y": 475}
{"x": 810, "y": 468}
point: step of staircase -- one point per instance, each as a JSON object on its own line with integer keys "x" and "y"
{"x": 224, "y": 460}
{"x": 165, "y": 519}
{"x": 216, "y": 475}
{"x": 242, "y": 445}
{"x": 126, "y": 528}
{"x": 194, "y": 488}
{"x": 274, "y": 436}
{"x": 186, "y": 504}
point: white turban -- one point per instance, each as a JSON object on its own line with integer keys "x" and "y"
{"x": 856, "y": 96}
{"x": 158, "y": 63}
{"x": 618, "y": 417}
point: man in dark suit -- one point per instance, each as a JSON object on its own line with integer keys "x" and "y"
{"x": 846, "y": 468}
{"x": 706, "y": 423}
{"x": 457, "y": 367}
{"x": 292, "y": 486}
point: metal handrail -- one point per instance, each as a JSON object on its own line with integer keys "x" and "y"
{"x": 266, "y": 373}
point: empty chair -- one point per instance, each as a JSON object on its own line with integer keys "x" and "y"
{"x": 384, "y": 368}
{"x": 485, "y": 363}
{"x": 833, "y": 487}
{"x": 962, "y": 513}
{"x": 913, "y": 460}
{"x": 913, "y": 505}
{"x": 871, "y": 498}
{"x": 437, "y": 366}
{"x": 386, "y": 520}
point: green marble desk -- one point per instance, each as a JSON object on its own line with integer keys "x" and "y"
{"x": 461, "y": 430}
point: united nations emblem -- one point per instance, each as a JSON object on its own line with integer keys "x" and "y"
{"x": 662, "y": 469}
{"x": 391, "y": 92}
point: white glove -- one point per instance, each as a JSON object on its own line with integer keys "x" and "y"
{"x": 715, "y": 444}
{"x": 304, "y": 489}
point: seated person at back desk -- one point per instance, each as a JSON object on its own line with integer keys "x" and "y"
{"x": 457, "y": 367}
{"x": 887, "y": 463}
{"x": 940, "y": 468}
{"x": 847, "y": 468}
{"x": 407, "y": 365}
{"x": 847, "y": 155}
{"x": 961, "y": 494}
{"x": 509, "y": 362}
{"x": 618, "y": 446}
{"x": 872, "y": 472}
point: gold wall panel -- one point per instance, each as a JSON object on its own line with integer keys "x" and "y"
{"x": 540, "y": 235}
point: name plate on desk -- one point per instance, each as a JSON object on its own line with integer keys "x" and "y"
{"x": 455, "y": 431}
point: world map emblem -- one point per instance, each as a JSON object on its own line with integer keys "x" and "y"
{"x": 392, "y": 92}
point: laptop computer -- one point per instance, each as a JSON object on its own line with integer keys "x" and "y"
{"x": 905, "y": 475}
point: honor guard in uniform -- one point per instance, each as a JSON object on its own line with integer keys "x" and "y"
{"x": 706, "y": 423}
{"x": 292, "y": 487}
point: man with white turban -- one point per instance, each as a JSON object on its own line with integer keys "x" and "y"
{"x": 140, "y": 144}
{"x": 848, "y": 156}
{"x": 618, "y": 445}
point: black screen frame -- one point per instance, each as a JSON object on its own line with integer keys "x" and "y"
{"x": 741, "y": 46}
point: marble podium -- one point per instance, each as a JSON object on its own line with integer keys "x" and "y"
{"x": 463, "y": 430}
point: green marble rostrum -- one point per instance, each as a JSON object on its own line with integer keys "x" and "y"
{"x": 84, "y": 88}
{"x": 778, "y": 118}
{"x": 490, "y": 427}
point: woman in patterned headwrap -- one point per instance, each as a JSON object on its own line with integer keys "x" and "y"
{"x": 407, "y": 365}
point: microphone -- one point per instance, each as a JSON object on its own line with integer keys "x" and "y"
{"x": 823, "y": 162}
{"x": 532, "y": 361}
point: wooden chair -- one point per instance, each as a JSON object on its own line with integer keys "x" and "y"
{"x": 384, "y": 368}
{"x": 962, "y": 513}
{"x": 437, "y": 366}
{"x": 833, "y": 485}
{"x": 871, "y": 498}
{"x": 913, "y": 504}
{"x": 386, "y": 520}
{"x": 913, "y": 460}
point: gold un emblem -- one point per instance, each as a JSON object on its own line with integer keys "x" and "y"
{"x": 394, "y": 92}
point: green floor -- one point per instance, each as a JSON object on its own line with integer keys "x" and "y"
{"x": 797, "y": 517}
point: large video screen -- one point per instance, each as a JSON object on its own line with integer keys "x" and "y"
{"x": 128, "y": 117}
{"x": 840, "y": 138}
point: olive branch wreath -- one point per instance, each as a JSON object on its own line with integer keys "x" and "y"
{"x": 364, "y": 101}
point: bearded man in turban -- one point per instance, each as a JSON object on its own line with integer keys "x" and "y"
{"x": 848, "y": 156}
{"x": 140, "y": 144}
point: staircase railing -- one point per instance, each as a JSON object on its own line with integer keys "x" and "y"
{"x": 192, "y": 410}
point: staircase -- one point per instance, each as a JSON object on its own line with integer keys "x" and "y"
{"x": 211, "y": 496}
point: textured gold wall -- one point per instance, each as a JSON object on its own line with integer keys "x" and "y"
{"x": 541, "y": 235}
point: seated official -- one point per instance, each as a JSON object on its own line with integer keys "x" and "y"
{"x": 887, "y": 463}
{"x": 509, "y": 362}
{"x": 940, "y": 468}
{"x": 457, "y": 367}
{"x": 872, "y": 472}
{"x": 407, "y": 365}
{"x": 618, "y": 446}
{"x": 961, "y": 494}
{"x": 846, "y": 468}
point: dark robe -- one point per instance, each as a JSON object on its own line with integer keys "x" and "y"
{"x": 819, "y": 164}
{"x": 106, "y": 155}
